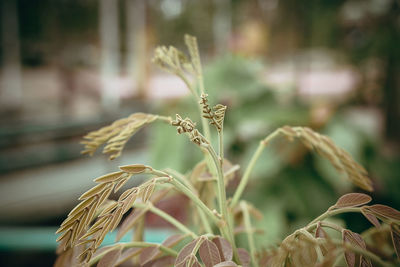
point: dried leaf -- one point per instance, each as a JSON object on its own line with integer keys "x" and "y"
{"x": 244, "y": 257}
{"x": 324, "y": 146}
{"x": 385, "y": 211}
{"x": 224, "y": 248}
{"x": 111, "y": 177}
{"x": 209, "y": 253}
{"x": 110, "y": 258}
{"x": 85, "y": 203}
{"x": 120, "y": 184}
{"x": 148, "y": 191}
{"x": 109, "y": 209}
{"x": 352, "y": 200}
{"x": 226, "y": 264}
{"x": 127, "y": 193}
{"x": 134, "y": 169}
{"x": 117, "y": 215}
{"x": 395, "y": 239}
{"x": 128, "y": 202}
{"x": 106, "y": 193}
{"x": 93, "y": 191}
{"x": 116, "y": 135}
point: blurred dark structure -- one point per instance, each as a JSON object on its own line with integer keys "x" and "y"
{"x": 70, "y": 66}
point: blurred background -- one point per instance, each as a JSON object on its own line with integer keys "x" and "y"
{"x": 71, "y": 66}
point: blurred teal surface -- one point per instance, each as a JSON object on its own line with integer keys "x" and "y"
{"x": 44, "y": 238}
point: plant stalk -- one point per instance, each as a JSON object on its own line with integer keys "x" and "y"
{"x": 249, "y": 230}
{"x": 228, "y": 231}
{"x": 250, "y": 167}
{"x": 166, "y": 217}
{"x": 243, "y": 182}
{"x": 330, "y": 213}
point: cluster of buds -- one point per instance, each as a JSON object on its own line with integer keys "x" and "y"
{"x": 183, "y": 125}
{"x": 215, "y": 115}
{"x": 188, "y": 126}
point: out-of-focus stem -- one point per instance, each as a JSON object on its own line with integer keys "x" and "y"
{"x": 228, "y": 231}
{"x": 166, "y": 217}
{"x": 249, "y": 230}
{"x": 250, "y": 167}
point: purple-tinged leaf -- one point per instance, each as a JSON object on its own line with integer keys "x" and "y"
{"x": 130, "y": 221}
{"x": 165, "y": 261}
{"x": 224, "y": 248}
{"x": 370, "y": 217}
{"x": 319, "y": 232}
{"x": 184, "y": 253}
{"x": 226, "y": 264}
{"x": 352, "y": 200}
{"x": 244, "y": 257}
{"x": 352, "y": 259}
{"x": 209, "y": 253}
{"x": 148, "y": 254}
{"x": 173, "y": 240}
{"x": 395, "y": 239}
{"x": 110, "y": 258}
{"x": 365, "y": 262}
{"x": 385, "y": 211}
{"x": 128, "y": 254}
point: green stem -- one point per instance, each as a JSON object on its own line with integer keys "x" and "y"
{"x": 164, "y": 249}
{"x": 221, "y": 146}
{"x": 250, "y": 166}
{"x": 222, "y": 201}
{"x": 246, "y": 175}
{"x": 136, "y": 244}
{"x": 181, "y": 178}
{"x": 164, "y": 118}
{"x": 138, "y": 234}
{"x": 203, "y": 218}
{"x": 166, "y": 217}
{"x": 333, "y": 226}
{"x": 200, "y": 81}
{"x": 188, "y": 84}
{"x": 220, "y": 182}
{"x": 249, "y": 230}
{"x": 204, "y": 123}
{"x": 197, "y": 201}
{"x": 330, "y": 213}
